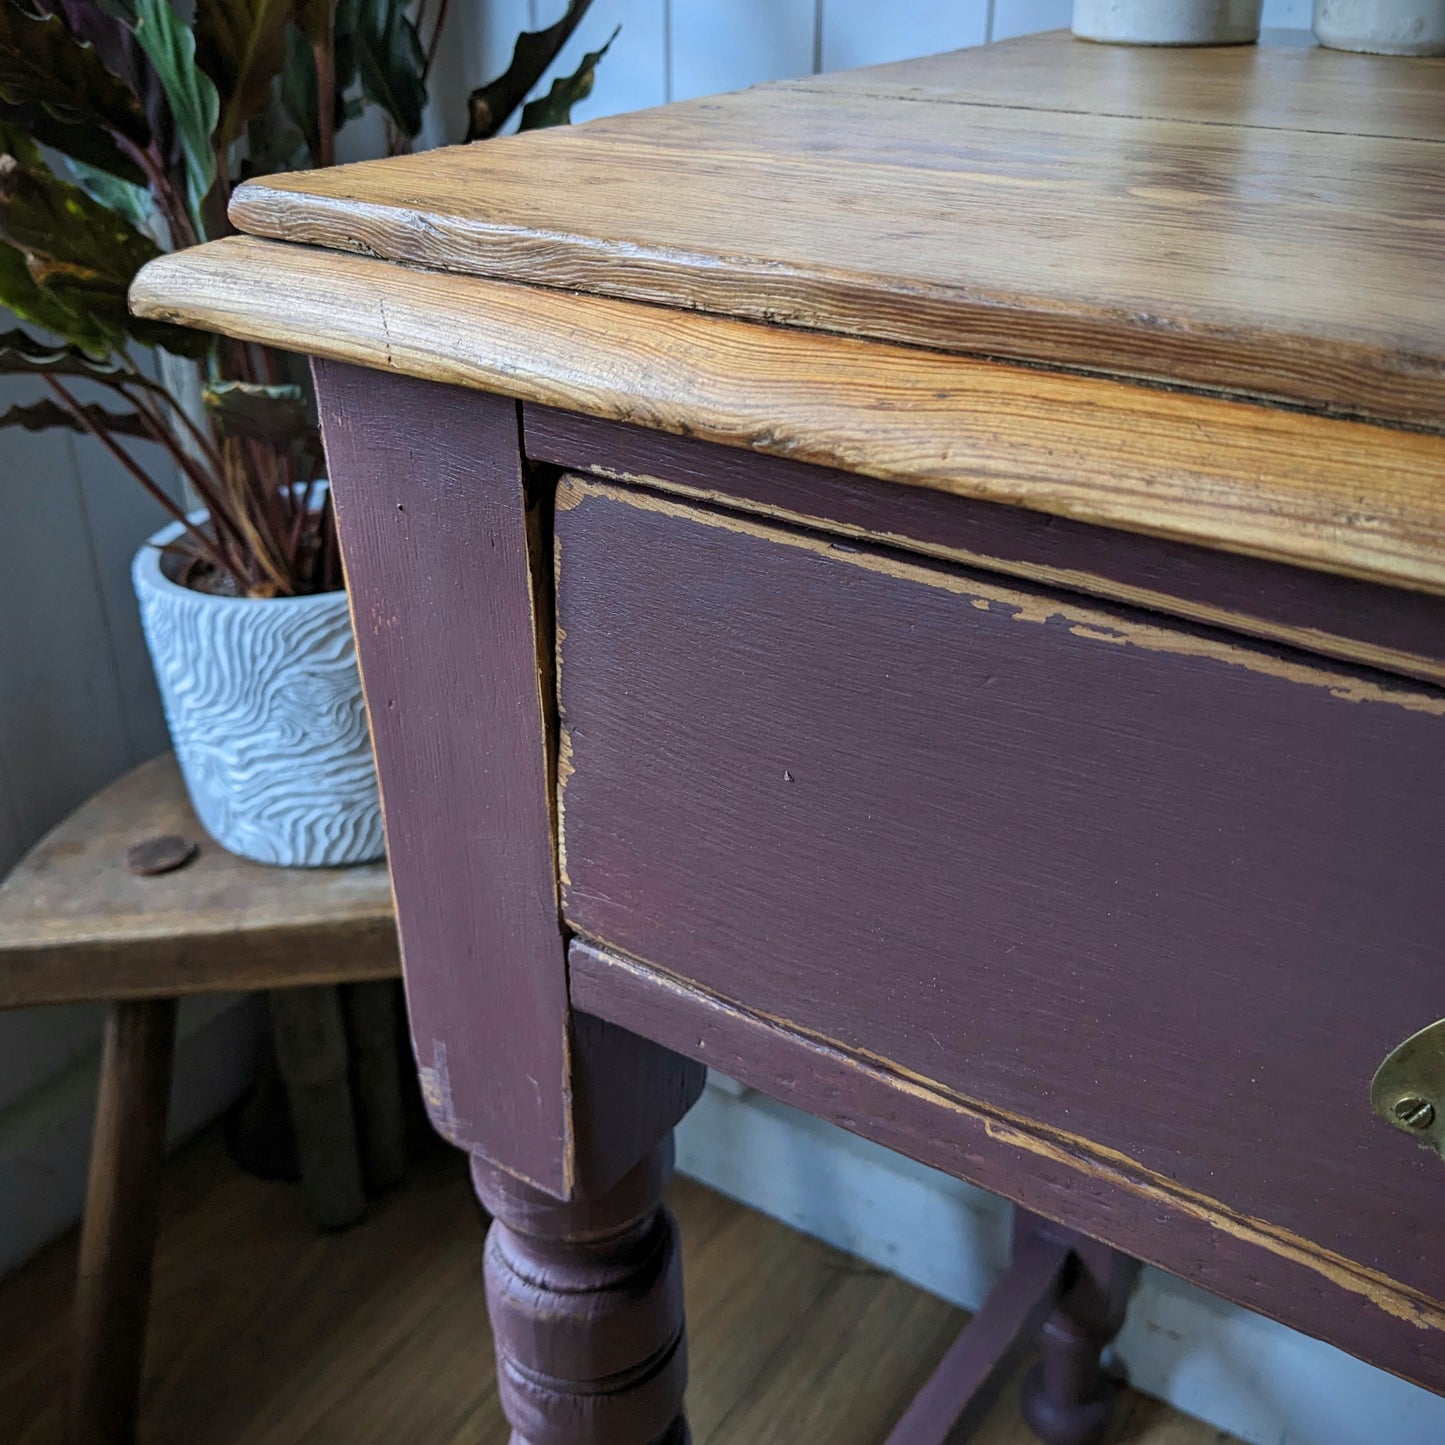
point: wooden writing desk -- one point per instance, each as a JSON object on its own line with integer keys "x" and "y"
{"x": 921, "y": 588}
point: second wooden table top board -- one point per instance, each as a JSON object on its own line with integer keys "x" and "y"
{"x": 1221, "y": 267}
{"x": 1259, "y": 219}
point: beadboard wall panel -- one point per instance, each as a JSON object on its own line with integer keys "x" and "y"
{"x": 636, "y": 67}
{"x": 853, "y": 36}
{"x": 1026, "y": 17}
{"x": 62, "y": 723}
{"x": 677, "y": 49}
{"x": 65, "y": 720}
{"x": 78, "y": 706}
{"x": 728, "y": 44}
{"x": 77, "y": 702}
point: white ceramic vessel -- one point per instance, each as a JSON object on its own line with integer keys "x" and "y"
{"x": 265, "y": 709}
{"x": 1382, "y": 27}
{"x": 1168, "y": 22}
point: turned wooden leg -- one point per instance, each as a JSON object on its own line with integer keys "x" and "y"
{"x": 586, "y": 1308}
{"x": 1067, "y": 1397}
{"x": 117, "y": 1239}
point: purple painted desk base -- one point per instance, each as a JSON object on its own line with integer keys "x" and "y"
{"x": 1065, "y": 1293}
{"x": 563, "y": 1078}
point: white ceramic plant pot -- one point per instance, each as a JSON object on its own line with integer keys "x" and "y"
{"x": 1168, "y": 22}
{"x": 1382, "y": 27}
{"x": 264, "y": 703}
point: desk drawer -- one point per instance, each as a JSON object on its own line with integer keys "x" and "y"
{"x": 1111, "y": 880}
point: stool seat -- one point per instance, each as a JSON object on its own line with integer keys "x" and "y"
{"x": 76, "y": 925}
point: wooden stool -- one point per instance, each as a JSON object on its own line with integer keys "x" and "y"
{"x": 76, "y": 924}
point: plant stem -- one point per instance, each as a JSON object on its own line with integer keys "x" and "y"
{"x": 232, "y": 544}
{"x": 206, "y": 445}
{"x": 325, "y": 53}
{"x": 168, "y": 200}
{"x": 205, "y": 486}
{"x": 204, "y": 543}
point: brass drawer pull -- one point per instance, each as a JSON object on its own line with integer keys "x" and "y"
{"x": 1408, "y": 1090}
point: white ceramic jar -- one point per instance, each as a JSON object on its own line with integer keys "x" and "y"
{"x": 1382, "y": 27}
{"x": 1168, "y": 22}
{"x": 265, "y": 709}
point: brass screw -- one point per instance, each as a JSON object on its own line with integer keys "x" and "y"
{"x": 1415, "y": 1113}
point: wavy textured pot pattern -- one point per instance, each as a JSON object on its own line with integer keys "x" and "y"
{"x": 265, "y": 709}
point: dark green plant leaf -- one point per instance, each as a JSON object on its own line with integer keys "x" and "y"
{"x": 273, "y": 141}
{"x": 344, "y": 56}
{"x": 22, "y": 355}
{"x": 16, "y": 141}
{"x": 555, "y": 108}
{"x": 31, "y": 302}
{"x": 241, "y": 45}
{"x": 87, "y": 143}
{"x": 490, "y": 106}
{"x": 299, "y": 99}
{"x": 66, "y": 263}
{"x": 195, "y": 105}
{"x": 313, "y": 18}
{"x": 276, "y": 415}
{"x": 390, "y": 61}
{"x": 109, "y": 25}
{"x": 60, "y": 92}
{"x": 135, "y": 203}
{"x": 48, "y": 217}
{"x": 61, "y": 253}
{"x": 298, "y": 85}
{"x": 43, "y": 415}
{"x": 178, "y": 340}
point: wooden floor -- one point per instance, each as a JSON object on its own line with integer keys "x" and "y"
{"x": 266, "y": 1333}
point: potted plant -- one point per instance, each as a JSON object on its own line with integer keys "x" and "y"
{"x": 122, "y": 132}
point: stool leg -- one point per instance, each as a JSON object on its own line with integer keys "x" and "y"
{"x": 117, "y": 1239}
{"x": 311, "y": 1053}
{"x": 376, "y": 1088}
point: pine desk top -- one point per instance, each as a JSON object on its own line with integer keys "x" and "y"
{"x": 1214, "y": 265}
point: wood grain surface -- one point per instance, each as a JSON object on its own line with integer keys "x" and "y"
{"x": 1286, "y": 83}
{"x": 118, "y": 1233}
{"x": 75, "y": 924}
{"x": 1120, "y": 888}
{"x": 1334, "y": 495}
{"x": 433, "y": 517}
{"x": 1033, "y": 200}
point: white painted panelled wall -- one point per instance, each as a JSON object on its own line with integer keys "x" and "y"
{"x": 77, "y": 707}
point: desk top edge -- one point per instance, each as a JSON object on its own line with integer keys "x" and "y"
{"x": 1223, "y": 473}
{"x": 1169, "y": 216}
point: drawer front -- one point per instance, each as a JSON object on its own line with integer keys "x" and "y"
{"x": 1116, "y": 882}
